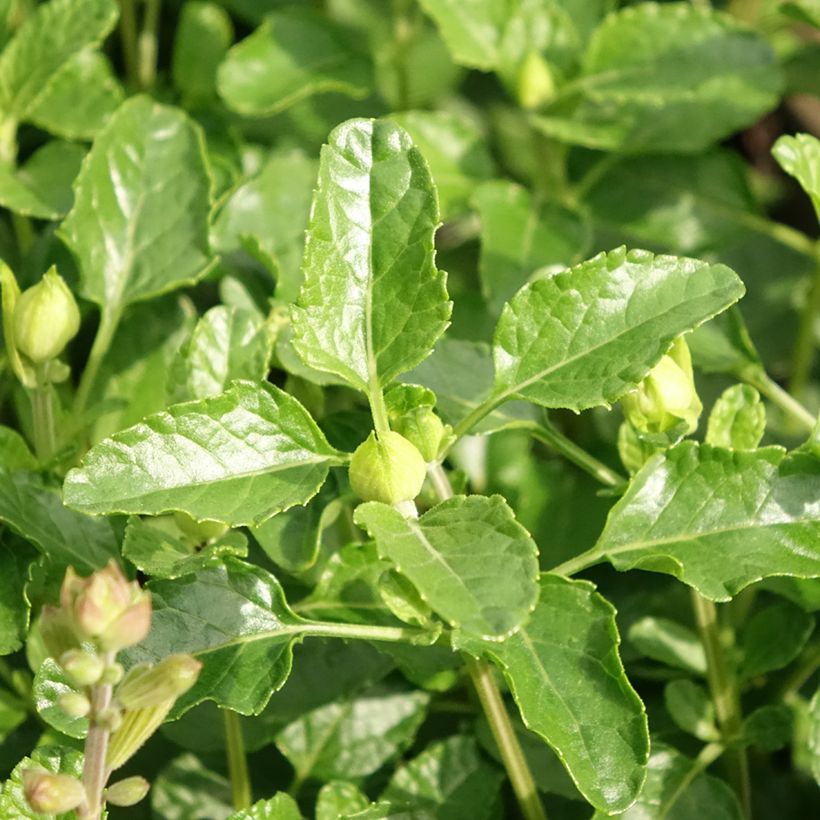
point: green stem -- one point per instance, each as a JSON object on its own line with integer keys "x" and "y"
{"x": 95, "y": 772}
{"x": 42, "y": 416}
{"x": 805, "y": 669}
{"x": 378, "y": 410}
{"x": 478, "y": 413}
{"x": 580, "y": 562}
{"x": 481, "y": 674}
{"x": 23, "y": 233}
{"x": 147, "y": 45}
{"x": 102, "y": 341}
{"x": 552, "y": 437}
{"x": 8, "y": 141}
{"x": 720, "y": 675}
{"x": 803, "y": 355}
{"x": 128, "y": 40}
{"x": 760, "y": 380}
{"x": 708, "y": 755}
{"x": 237, "y": 763}
{"x": 526, "y": 793}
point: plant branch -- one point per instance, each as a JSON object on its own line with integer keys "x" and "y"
{"x": 95, "y": 771}
{"x": 720, "y": 675}
{"x": 147, "y": 45}
{"x": 128, "y": 40}
{"x": 42, "y": 418}
{"x": 237, "y": 763}
{"x": 585, "y": 560}
{"x": 708, "y": 755}
{"x": 102, "y": 342}
{"x": 761, "y": 380}
{"x": 476, "y": 415}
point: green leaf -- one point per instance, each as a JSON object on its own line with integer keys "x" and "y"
{"x": 139, "y": 225}
{"x": 799, "y": 156}
{"x": 770, "y": 727}
{"x": 566, "y": 676}
{"x": 690, "y": 707}
{"x": 585, "y": 337}
{"x": 35, "y": 511}
{"x": 672, "y": 793}
{"x": 44, "y": 44}
{"x": 738, "y": 419}
{"x": 470, "y": 560}
{"x": 14, "y": 452}
{"x": 14, "y": 605}
{"x": 80, "y": 99}
{"x": 667, "y": 78}
{"x": 227, "y": 344}
{"x": 292, "y": 55}
{"x": 519, "y": 235}
{"x": 239, "y": 458}
{"x": 50, "y": 683}
{"x": 449, "y": 780}
{"x": 668, "y": 642}
{"x": 41, "y": 188}
{"x": 353, "y": 738}
{"x": 773, "y": 638}
{"x": 204, "y": 34}
{"x": 724, "y": 346}
{"x": 157, "y": 548}
{"x": 719, "y": 520}
{"x": 338, "y": 799}
{"x": 13, "y": 712}
{"x": 186, "y": 789}
{"x": 280, "y": 807}
{"x": 455, "y": 150}
{"x": 373, "y": 304}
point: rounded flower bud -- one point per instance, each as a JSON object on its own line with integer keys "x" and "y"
{"x": 127, "y": 792}
{"x": 388, "y": 469}
{"x": 423, "y": 429}
{"x": 536, "y": 84}
{"x": 667, "y": 396}
{"x": 46, "y": 319}
{"x": 52, "y": 793}
{"x": 82, "y": 668}
{"x": 74, "y": 704}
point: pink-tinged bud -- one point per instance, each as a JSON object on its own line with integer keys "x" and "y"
{"x": 130, "y": 628}
{"x": 127, "y": 792}
{"x": 52, "y": 793}
{"x": 82, "y": 668}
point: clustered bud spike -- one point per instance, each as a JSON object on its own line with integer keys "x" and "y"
{"x": 52, "y": 793}
{"x": 387, "y": 468}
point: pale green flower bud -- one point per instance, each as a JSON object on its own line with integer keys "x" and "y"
{"x": 423, "y": 429}
{"x": 127, "y": 792}
{"x": 536, "y": 84}
{"x": 82, "y": 668}
{"x": 46, "y": 318}
{"x": 113, "y": 674}
{"x": 387, "y": 469}
{"x": 667, "y": 396}
{"x": 52, "y": 793}
{"x": 74, "y": 704}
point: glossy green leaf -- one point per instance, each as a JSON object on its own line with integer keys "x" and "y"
{"x": 799, "y": 156}
{"x": 584, "y": 337}
{"x": 672, "y": 793}
{"x": 14, "y": 606}
{"x": 139, "y": 225}
{"x": 449, "y": 779}
{"x": 50, "y": 683}
{"x": 455, "y": 150}
{"x": 14, "y": 452}
{"x": 769, "y": 728}
{"x": 353, "y": 738}
{"x": 280, "y": 807}
{"x": 373, "y": 303}
{"x": 470, "y": 560}
{"x": 519, "y": 235}
{"x": 717, "y": 519}
{"x": 338, "y": 799}
{"x": 668, "y": 642}
{"x": 566, "y": 676}
{"x": 689, "y": 706}
{"x": 186, "y": 789}
{"x": 80, "y": 99}
{"x": 203, "y": 36}
{"x": 292, "y": 55}
{"x": 157, "y": 548}
{"x": 42, "y": 186}
{"x": 773, "y": 638}
{"x": 738, "y": 419}
{"x": 34, "y": 510}
{"x": 44, "y": 44}
{"x": 238, "y": 457}
{"x": 227, "y": 344}
{"x": 668, "y": 77}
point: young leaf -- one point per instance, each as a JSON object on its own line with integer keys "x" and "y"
{"x": 738, "y": 419}
{"x": 586, "y": 336}
{"x": 35, "y": 511}
{"x": 373, "y": 303}
{"x": 292, "y": 55}
{"x": 668, "y": 642}
{"x": 799, "y": 156}
{"x": 448, "y": 779}
{"x": 719, "y": 520}
{"x": 280, "y": 807}
{"x": 139, "y": 225}
{"x": 770, "y": 727}
{"x": 14, "y": 606}
{"x": 14, "y": 452}
{"x": 238, "y": 457}
{"x": 567, "y": 679}
{"x": 690, "y": 707}
{"x": 355, "y": 737}
{"x": 470, "y": 560}
{"x": 339, "y": 799}
{"x": 44, "y": 44}
{"x": 773, "y": 638}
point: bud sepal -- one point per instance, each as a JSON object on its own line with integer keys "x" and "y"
{"x": 387, "y": 468}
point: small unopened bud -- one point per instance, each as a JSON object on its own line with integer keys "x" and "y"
{"x": 74, "y": 704}
{"x": 52, "y": 793}
{"x": 110, "y": 718}
{"x": 388, "y": 469}
{"x": 112, "y": 674}
{"x": 127, "y": 792}
{"x": 200, "y": 531}
{"x": 536, "y": 84}
{"x": 667, "y": 396}
{"x": 82, "y": 668}
{"x": 423, "y": 429}
{"x": 146, "y": 685}
{"x": 46, "y": 318}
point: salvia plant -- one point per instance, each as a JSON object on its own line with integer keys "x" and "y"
{"x": 295, "y": 524}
